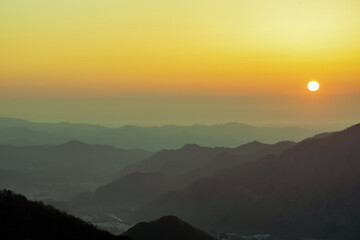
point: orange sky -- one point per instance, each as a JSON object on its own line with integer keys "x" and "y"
{"x": 85, "y": 49}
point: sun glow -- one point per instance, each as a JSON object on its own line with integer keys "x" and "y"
{"x": 204, "y": 47}
{"x": 313, "y": 86}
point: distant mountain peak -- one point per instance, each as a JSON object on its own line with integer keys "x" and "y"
{"x": 254, "y": 143}
{"x": 74, "y": 144}
{"x": 169, "y": 220}
{"x": 190, "y": 147}
{"x": 251, "y": 144}
{"x": 168, "y": 227}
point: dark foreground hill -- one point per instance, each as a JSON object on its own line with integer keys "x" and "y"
{"x": 166, "y": 228}
{"x": 21, "y": 219}
{"x": 310, "y": 190}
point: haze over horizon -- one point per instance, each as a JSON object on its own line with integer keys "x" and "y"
{"x": 170, "y": 62}
{"x": 336, "y": 111}
{"x": 316, "y": 126}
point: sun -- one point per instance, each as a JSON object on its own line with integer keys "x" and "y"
{"x": 313, "y": 86}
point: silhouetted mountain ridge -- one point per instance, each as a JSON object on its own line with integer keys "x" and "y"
{"x": 310, "y": 190}
{"x": 171, "y": 170}
{"x": 166, "y": 228}
{"x": 136, "y": 188}
{"x": 151, "y": 138}
{"x": 74, "y": 144}
{"x": 192, "y": 156}
{"x": 22, "y": 219}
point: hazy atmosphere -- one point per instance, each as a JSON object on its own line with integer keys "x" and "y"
{"x": 163, "y": 62}
{"x": 309, "y": 109}
{"x": 180, "y": 120}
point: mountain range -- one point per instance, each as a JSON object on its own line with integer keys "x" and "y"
{"x": 21, "y": 219}
{"x": 192, "y": 156}
{"x": 310, "y": 190}
{"x": 170, "y": 170}
{"x": 21, "y": 132}
{"x": 73, "y": 166}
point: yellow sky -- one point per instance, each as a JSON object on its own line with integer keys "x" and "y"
{"x": 188, "y": 47}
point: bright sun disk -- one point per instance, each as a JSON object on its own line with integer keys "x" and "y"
{"x": 313, "y": 86}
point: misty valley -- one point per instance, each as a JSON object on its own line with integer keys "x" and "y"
{"x": 299, "y": 184}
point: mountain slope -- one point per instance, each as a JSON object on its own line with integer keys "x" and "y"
{"x": 137, "y": 188}
{"x": 166, "y": 228}
{"x": 310, "y": 190}
{"x": 22, "y": 136}
{"x": 73, "y": 154}
{"x": 175, "y": 162}
{"x": 23, "y": 219}
{"x": 72, "y": 164}
{"x": 191, "y": 157}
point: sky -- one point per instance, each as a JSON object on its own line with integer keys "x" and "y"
{"x": 180, "y": 62}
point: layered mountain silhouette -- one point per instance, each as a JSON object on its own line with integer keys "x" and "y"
{"x": 171, "y": 170}
{"x": 20, "y": 132}
{"x": 22, "y": 219}
{"x": 191, "y": 157}
{"x": 22, "y": 136}
{"x": 166, "y": 228}
{"x": 175, "y": 162}
{"x": 73, "y": 163}
{"x": 137, "y": 188}
{"x": 310, "y": 190}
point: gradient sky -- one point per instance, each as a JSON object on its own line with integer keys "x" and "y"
{"x": 182, "y": 62}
